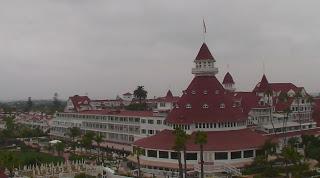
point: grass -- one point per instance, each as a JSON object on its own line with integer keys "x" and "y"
{"x": 31, "y": 157}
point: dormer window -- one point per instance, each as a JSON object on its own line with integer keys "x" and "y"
{"x": 184, "y": 92}
{"x": 188, "y": 106}
{"x": 222, "y": 105}
{"x": 193, "y": 92}
{"x": 205, "y": 92}
{"x": 177, "y": 106}
{"x": 205, "y": 106}
{"x": 217, "y": 92}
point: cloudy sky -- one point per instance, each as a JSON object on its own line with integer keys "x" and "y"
{"x": 105, "y": 48}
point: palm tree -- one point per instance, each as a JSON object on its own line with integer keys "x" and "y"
{"x": 74, "y": 132}
{"x": 178, "y": 147}
{"x": 201, "y": 139}
{"x": 138, "y": 151}
{"x": 284, "y": 124}
{"x": 184, "y": 138}
{"x": 269, "y": 148}
{"x": 99, "y": 139}
{"x": 268, "y": 93}
{"x": 298, "y": 96}
{"x": 290, "y": 155}
{"x": 140, "y": 93}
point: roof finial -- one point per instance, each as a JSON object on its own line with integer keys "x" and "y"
{"x": 204, "y": 30}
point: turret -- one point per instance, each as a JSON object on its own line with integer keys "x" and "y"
{"x": 204, "y": 63}
{"x": 228, "y": 82}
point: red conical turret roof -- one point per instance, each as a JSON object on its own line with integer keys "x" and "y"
{"x": 263, "y": 85}
{"x": 169, "y": 94}
{"x": 228, "y": 79}
{"x": 204, "y": 53}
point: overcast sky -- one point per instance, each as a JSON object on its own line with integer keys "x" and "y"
{"x": 105, "y": 48}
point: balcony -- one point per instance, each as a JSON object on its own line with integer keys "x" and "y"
{"x": 205, "y": 71}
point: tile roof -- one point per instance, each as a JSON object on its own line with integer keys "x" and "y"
{"x": 228, "y": 79}
{"x": 119, "y": 112}
{"x": 205, "y": 90}
{"x": 204, "y": 53}
{"x": 217, "y": 140}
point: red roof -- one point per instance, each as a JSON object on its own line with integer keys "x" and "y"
{"x": 127, "y": 94}
{"x": 284, "y": 87}
{"x": 283, "y": 105}
{"x": 217, "y": 140}
{"x": 169, "y": 94}
{"x": 228, "y": 79}
{"x": 248, "y": 100}
{"x": 118, "y": 112}
{"x": 204, "y": 53}
{"x": 77, "y": 101}
{"x": 205, "y": 90}
{"x": 263, "y": 85}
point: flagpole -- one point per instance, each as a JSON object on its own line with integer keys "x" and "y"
{"x": 204, "y": 30}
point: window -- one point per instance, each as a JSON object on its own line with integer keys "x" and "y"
{"x": 205, "y": 106}
{"x": 143, "y": 121}
{"x": 188, "y": 106}
{"x": 192, "y": 156}
{"x": 162, "y": 104}
{"x": 205, "y": 92}
{"x": 193, "y": 92}
{"x": 159, "y": 122}
{"x": 143, "y": 131}
{"x": 150, "y": 121}
{"x": 248, "y": 154}
{"x": 174, "y": 155}
{"x": 150, "y": 132}
{"x": 222, "y": 105}
{"x": 236, "y": 155}
{"x": 152, "y": 153}
{"x": 221, "y": 155}
{"x": 163, "y": 154}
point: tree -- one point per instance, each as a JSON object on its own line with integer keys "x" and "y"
{"x": 293, "y": 142}
{"x": 201, "y": 140}
{"x": 268, "y": 148}
{"x": 138, "y": 151}
{"x": 140, "y": 93}
{"x": 87, "y": 140}
{"x": 9, "y": 161}
{"x": 59, "y": 147}
{"x": 178, "y": 147}
{"x": 290, "y": 156}
{"x": 99, "y": 139}
{"x": 74, "y": 132}
{"x": 268, "y": 93}
{"x": 29, "y": 105}
{"x": 55, "y": 102}
{"x": 284, "y": 124}
{"x": 183, "y": 136}
{"x": 297, "y": 97}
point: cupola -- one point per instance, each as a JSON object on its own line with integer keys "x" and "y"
{"x": 204, "y": 63}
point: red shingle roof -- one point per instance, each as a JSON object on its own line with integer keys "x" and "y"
{"x": 217, "y": 140}
{"x": 263, "y": 85}
{"x": 228, "y": 79}
{"x": 77, "y": 101}
{"x": 204, "y": 53}
{"x": 284, "y": 87}
{"x": 205, "y": 90}
{"x": 119, "y": 112}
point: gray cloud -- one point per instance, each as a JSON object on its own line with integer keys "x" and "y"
{"x": 107, "y": 48}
